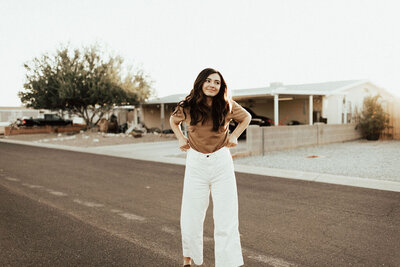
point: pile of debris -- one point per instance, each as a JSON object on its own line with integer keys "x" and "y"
{"x": 111, "y": 126}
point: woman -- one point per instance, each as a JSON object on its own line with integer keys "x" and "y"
{"x": 207, "y": 110}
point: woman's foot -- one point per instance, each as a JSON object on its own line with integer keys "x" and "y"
{"x": 187, "y": 261}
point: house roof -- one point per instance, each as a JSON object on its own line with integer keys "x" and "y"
{"x": 325, "y": 88}
{"x": 167, "y": 99}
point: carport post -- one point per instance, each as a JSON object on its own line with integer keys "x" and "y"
{"x": 162, "y": 116}
{"x": 345, "y": 110}
{"x": 276, "y": 110}
{"x": 310, "y": 111}
{"x": 135, "y": 116}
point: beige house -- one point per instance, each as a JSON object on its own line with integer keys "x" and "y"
{"x": 329, "y": 102}
{"x": 155, "y": 112}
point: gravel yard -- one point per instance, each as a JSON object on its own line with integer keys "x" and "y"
{"x": 366, "y": 159}
{"x": 90, "y": 139}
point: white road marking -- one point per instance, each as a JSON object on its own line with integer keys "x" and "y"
{"x": 168, "y": 230}
{"x": 88, "y": 204}
{"x": 131, "y": 216}
{"x": 276, "y": 262}
{"x": 147, "y": 187}
{"x": 12, "y": 179}
{"x": 56, "y": 193}
{"x": 116, "y": 211}
{"x": 32, "y": 185}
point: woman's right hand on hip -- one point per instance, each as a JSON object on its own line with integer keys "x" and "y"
{"x": 184, "y": 144}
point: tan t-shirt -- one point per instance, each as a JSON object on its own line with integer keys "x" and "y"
{"x": 201, "y": 136}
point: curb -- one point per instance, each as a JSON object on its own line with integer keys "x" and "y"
{"x": 321, "y": 178}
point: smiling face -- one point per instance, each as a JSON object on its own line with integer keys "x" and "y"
{"x": 212, "y": 85}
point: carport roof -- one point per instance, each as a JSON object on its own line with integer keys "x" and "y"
{"x": 324, "y": 88}
{"x": 167, "y": 99}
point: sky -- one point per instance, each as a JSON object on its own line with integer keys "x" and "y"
{"x": 252, "y": 43}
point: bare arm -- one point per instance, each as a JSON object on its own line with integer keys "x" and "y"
{"x": 238, "y": 131}
{"x": 183, "y": 141}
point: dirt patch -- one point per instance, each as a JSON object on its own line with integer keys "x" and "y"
{"x": 89, "y": 139}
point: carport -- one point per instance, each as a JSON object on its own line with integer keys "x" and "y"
{"x": 306, "y": 104}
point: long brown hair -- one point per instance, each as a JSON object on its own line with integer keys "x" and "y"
{"x": 196, "y": 101}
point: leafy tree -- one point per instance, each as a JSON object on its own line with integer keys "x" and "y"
{"x": 82, "y": 83}
{"x": 373, "y": 119}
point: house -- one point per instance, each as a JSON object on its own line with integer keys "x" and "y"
{"x": 334, "y": 102}
{"x": 9, "y": 115}
{"x": 155, "y": 112}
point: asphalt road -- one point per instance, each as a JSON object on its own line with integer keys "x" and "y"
{"x": 63, "y": 208}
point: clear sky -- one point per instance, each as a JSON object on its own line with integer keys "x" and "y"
{"x": 252, "y": 43}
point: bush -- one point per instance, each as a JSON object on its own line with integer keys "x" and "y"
{"x": 373, "y": 119}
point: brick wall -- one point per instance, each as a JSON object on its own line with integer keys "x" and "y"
{"x": 42, "y": 129}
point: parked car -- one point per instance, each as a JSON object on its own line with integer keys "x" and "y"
{"x": 293, "y": 122}
{"x": 49, "y": 119}
{"x": 255, "y": 120}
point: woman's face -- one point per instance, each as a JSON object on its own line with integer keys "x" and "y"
{"x": 212, "y": 85}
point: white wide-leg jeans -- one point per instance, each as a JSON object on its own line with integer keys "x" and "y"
{"x": 204, "y": 173}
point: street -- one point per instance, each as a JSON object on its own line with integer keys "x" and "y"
{"x": 63, "y": 208}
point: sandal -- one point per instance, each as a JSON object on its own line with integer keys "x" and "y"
{"x": 188, "y": 264}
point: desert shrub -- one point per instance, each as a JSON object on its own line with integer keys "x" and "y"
{"x": 373, "y": 119}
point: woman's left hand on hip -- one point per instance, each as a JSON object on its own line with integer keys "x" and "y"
{"x": 232, "y": 141}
